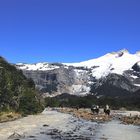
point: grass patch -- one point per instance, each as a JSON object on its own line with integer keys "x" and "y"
{"x": 9, "y": 116}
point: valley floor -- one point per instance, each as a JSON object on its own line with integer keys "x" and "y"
{"x": 53, "y": 125}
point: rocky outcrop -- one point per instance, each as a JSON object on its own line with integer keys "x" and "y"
{"x": 136, "y": 67}
{"x": 114, "y": 85}
{"x": 61, "y": 80}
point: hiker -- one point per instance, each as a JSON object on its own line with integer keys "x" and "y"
{"x": 95, "y": 109}
{"x": 107, "y": 110}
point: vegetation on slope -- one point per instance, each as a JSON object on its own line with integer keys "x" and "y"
{"x": 17, "y": 93}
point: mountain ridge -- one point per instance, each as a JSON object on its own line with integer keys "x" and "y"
{"x": 77, "y": 78}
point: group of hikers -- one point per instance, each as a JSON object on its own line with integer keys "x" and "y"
{"x": 96, "y": 109}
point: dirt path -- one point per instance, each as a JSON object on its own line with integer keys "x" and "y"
{"x": 52, "y": 125}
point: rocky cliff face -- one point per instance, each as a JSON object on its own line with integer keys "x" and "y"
{"x": 116, "y": 73}
{"x": 61, "y": 80}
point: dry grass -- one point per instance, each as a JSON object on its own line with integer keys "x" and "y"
{"x": 86, "y": 114}
{"x": 131, "y": 120}
{"x": 9, "y": 116}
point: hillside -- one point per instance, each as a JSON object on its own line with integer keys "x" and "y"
{"x": 17, "y": 93}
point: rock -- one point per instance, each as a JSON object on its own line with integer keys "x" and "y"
{"x": 45, "y": 125}
{"x": 31, "y": 136}
{"x": 136, "y": 66}
{"x": 16, "y": 136}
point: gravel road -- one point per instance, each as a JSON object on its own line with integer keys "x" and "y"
{"x": 52, "y": 125}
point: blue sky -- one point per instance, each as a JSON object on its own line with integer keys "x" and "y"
{"x": 67, "y": 30}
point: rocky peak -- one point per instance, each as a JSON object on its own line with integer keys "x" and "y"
{"x": 122, "y": 52}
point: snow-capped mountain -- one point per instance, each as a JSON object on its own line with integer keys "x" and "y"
{"x": 116, "y": 62}
{"x": 78, "y": 78}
